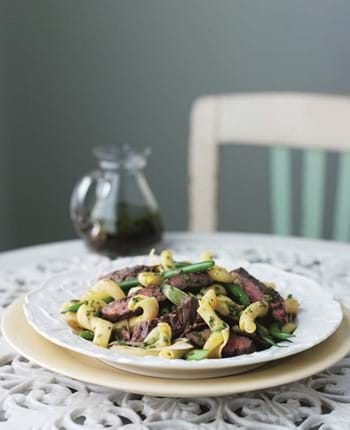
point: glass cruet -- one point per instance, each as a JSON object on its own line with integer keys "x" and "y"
{"x": 113, "y": 208}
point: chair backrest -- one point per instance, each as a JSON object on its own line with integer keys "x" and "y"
{"x": 283, "y": 121}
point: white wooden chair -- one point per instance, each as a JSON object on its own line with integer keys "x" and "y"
{"x": 313, "y": 122}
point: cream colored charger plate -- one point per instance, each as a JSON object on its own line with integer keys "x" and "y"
{"x": 25, "y": 340}
{"x": 319, "y": 317}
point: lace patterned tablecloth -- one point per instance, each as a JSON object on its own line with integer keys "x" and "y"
{"x": 34, "y": 398}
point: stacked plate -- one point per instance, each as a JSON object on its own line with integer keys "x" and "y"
{"x": 34, "y": 327}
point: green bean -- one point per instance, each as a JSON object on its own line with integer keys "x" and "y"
{"x": 179, "y": 264}
{"x": 262, "y": 330}
{"x": 197, "y": 354}
{"x": 173, "y": 294}
{"x": 237, "y": 292}
{"x": 86, "y": 334}
{"x": 269, "y": 340}
{"x": 73, "y": 308}
{"x": 277, "y": 333}
{"x": 264, "y": 334}
{"x": 126, "y": 285}
{"x": 190, "y": 268}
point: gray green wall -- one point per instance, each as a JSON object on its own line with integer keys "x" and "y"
{"x": 77, "y": 73}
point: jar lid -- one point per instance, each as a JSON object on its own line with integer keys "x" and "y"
{"x": 121, "y": 156}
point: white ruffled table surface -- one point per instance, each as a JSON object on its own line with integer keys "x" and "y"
{"x": 32, "y": 397}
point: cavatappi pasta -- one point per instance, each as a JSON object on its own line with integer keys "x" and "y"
{"x": 182, "y": 310}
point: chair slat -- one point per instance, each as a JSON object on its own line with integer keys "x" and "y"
{"x": 280, "y": 176}
{"x": 313, "y": 193}
{"x": 342, "y": 201}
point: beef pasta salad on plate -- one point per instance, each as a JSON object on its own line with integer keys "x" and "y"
{"x": 180, "y": 316}
{"x": 183, "y": 310}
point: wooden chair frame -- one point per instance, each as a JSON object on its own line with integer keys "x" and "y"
{"x": 313, "y": 122}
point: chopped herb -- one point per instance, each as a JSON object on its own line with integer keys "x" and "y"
{"x": 211, "y": 321}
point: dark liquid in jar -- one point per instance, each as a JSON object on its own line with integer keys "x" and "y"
{"x": 136, "y": 231}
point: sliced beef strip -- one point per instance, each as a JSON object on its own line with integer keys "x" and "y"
{"x": 118, "y": 309}
{"x": 188, "y": 280}
{"x": 198, "y": 337}
{"x": 257, "y": 291}
{"x": 152, "y": 291}
{"x": 182, "y": 318}
{"x": 179, "y": 320}
{"x": 278, "y": 311}
{"x": 142, "y": 329}
{"x": 121, "y": 275}
{"x": 238, "y": 345}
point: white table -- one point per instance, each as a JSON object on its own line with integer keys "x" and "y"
{"x": 34, "y": 398}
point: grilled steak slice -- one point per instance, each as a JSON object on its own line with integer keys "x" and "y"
{"x": 257, "y": 291}
{"x": 278, "y": 311}
{"x": 183, "y": 317}
{"x": 238, "y": 345}
{"x": 152, "y": 291}
{"x": 142, "y": 329}
{"x": 182, "y": 281}
{"x": 118, "y": 309}
{"x": 198, "y": 338}
{"x": 179, "y": 320}
{"x": 128, "y": 273}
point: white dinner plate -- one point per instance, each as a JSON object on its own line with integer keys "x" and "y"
{"x": 320, "y": 315}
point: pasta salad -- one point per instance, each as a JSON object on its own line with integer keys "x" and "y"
{"x": 183, "y": 310}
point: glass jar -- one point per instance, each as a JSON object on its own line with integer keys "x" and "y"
{"x": 113, "y": 209}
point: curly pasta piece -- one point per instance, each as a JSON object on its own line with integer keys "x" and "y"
{"x": 248, "y": 316}
{"x": 167, "y": 260}
{"x": 135, "y": 350}
{"x": 160, "y": 336}
{"x": 147, "y": 279}
{"x": 87, "y": 311}
{"x": 177, "y": 350}
{"x": 220, "y": 274}
{"x": 218, "y": 288}
{"x": 220, "y": 330}
{"x": 102, "y": 331}
{"x": 291, "y": 306}
{"x": 227, "y": 307}
{"x": 149, "y": 305}
{"x": 103, "y": 289}
{"x": 180, "y": 348}
{"x": 71, "y": 320}
{"x": 216, "y": 342}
